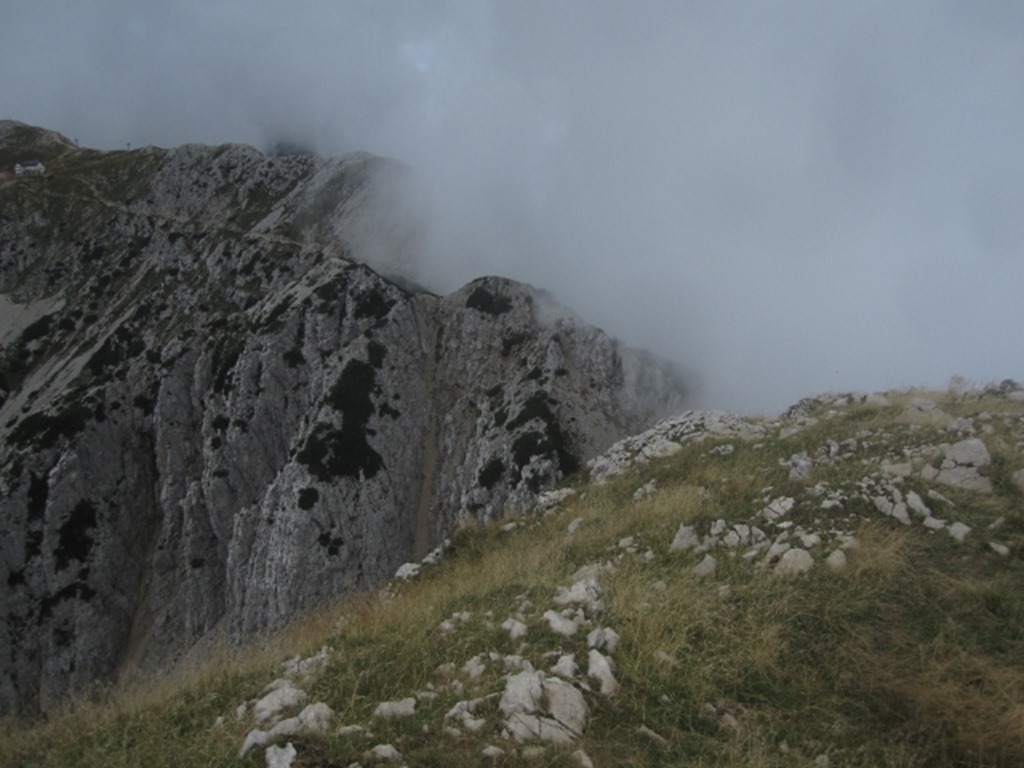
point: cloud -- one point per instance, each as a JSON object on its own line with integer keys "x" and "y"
{"x": 787, "y": 197}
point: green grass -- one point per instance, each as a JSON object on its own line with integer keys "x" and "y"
{"x": 911, "y": 656}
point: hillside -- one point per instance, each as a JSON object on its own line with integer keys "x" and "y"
{"x": 226, "y": 400}
{"x": 841, "y": 586}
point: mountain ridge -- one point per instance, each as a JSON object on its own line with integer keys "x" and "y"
{"x": 217, "y": 413}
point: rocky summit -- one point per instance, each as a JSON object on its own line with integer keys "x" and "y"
{"x": 225, "y": 399}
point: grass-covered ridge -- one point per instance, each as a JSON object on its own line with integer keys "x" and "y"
{"x": 910, "y": 654}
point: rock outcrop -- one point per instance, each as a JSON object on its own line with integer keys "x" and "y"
{"x": 216, "y": 412}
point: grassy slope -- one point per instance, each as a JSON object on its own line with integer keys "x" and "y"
{"x": 913, "y": 655}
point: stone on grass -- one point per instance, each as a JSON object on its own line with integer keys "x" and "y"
{"x": 706, "y": 566}
{"x": 386, "y": 752}
{"x": 800, "y": 465}
{"x": 492, "y": 752}
{"x": 542, "y": 708}
{"x": 283, "y": 696}
{"x": 960, "y": 467}
{"x": 559, "y": 624}
{"x": 303, "y": 668}
{"x": 586, "y": 592}
{"x": 1000, "y": 549}
{"x": 837, "y": 560}
{"x": 971, "y": 452}
{"x": 654, "y": 736}
{"x": 464, "y": 713}
{"x": 916, "y": 503}
{"x": 605, "y": 638}
{"x": 645, "y": 490}
{"x": 515, "y": 628}
{"x": 794, "y": 562}
{"x": 474, "y": 667}
{"x": 777, "y": 508}
{"x": 549, "y": 499}
{"x": 287, "y": 727}
{"x": 316, "y": 718}
{"x": 403, "y": 708}
{"x": 407, "y": 571}
{"x": 959, "y": 531}
{"x": 686, "y": 539}
{"x": 280, "y": 757}
{"x": 582, "y": 759}
{"x": 566, "y": 666}
{"x": 600, "y": 668}
{"x": 254, "y": 738}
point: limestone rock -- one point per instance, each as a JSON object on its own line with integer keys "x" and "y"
{"x": 600, "y": 668}
{"x": 283, "y": 696}
{"x": 386, "y": 752}
{"x": 560, "y": 624}
{"x": 794, "y": 562}
{"x": 548, "y": 709}
{"x": 686, "y": 538}
{"x": 960, "y": 467}
{"x": 403, "y": 708}
{"x": 280, "y": 757}
{"x": 705, "y": 567}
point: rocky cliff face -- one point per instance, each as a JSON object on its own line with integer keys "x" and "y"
{"x": 216, "y": 413}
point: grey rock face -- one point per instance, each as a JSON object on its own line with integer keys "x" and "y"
{"x": 214, "y": 416}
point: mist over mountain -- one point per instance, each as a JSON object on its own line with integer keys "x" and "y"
{"x": 785, "y": 199}
{"x": 226, "y": 400}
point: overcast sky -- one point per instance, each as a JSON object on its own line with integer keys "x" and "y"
{"x": 786, "y": 197}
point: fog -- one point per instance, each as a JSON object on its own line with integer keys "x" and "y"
{"x": 785, "y": 197}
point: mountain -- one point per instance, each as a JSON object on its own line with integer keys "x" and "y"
{"x": 225, "y": 400}
{"x": 839, "y": 586}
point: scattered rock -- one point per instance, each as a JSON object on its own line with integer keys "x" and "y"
{"x": 404, "y": 708}
{"x": 600, "y": 669}
{"x": 958, "y": 531}
{"x": 305, "y": 668}
{"x": 800, "y": 465}
{"x": 559, "y": 624}
{"x": 705, "y": 567}
{"x": 582, "y": 759}
{"x": 794, "y": 562}
{"x": 542, "y": 708}
{"x": 654, "y": 736}
{"x": 837, "y": 560}
{"x": 549, "y": 499}
{"x": 474, "y": 667}
{"x": 686, "y": 539}
{"x": 586, "y": 592}
{"x": 566, "y": 666}
{"x": 960, "y": 468}
{"x": 1018, "y": 478}
{"x": 385, "y": 752}
{"x": 255, "y": 738}
{"x": 647, "y": 489}
{"x": 515, "y": 628}
{"x": 407, "y": 571}
{"x": 316, "y": 718}
{"x": 280, "y": 757}
{"x": 283, "y": 695}
{"x": 605, "y": 638}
